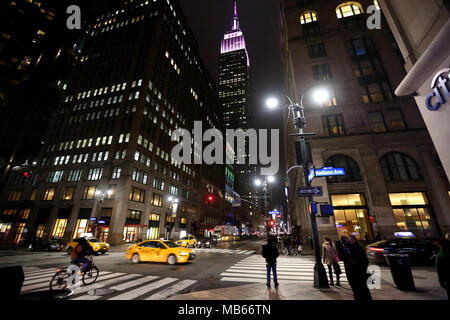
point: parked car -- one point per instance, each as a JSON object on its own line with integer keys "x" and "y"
{"x": 45, "y": 245}
{"x": 420, "y": 251}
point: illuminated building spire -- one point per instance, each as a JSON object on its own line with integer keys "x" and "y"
{"x": 235, "y": 17}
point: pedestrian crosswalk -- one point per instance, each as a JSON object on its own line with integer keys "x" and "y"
{"x": 289, "y": 269}
{"x": 121, "y": 286}
{"x": 225, "y": 251}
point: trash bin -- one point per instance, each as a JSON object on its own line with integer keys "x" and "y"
{"x": 401, "y": 271}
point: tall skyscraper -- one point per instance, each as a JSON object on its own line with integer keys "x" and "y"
{"x": 234, "y": 94}
{"x": 106, "y": 165}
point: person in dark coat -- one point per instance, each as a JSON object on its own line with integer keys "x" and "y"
{"x": 355, "y": 263}
{"x": 443, "y": 265}
{"x": 270, "y": 253}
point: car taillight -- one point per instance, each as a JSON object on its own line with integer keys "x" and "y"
{"x": 58, "y": 270}
{"x": 379, "y": 250}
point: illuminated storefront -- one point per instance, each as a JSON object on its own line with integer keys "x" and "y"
{"x": 351, "y": 215}
{"x": 130, "y": 233}
{"x": 83, "y": 221}
{"x": 153, "y": 226}
{"x": 413, "y": 213}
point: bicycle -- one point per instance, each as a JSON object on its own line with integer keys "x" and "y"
{"x": 88, "y": 277}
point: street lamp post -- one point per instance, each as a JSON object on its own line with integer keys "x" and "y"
{"x": 320, "y": 95}
{"x": 174, "y": 202}
{"x": 258, "y": 183}
{"x": 101, "y": 194}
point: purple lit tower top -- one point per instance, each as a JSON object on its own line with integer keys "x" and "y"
{"x": 234, "y": 39}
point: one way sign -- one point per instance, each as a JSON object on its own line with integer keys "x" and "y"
{"x": 311, "y": 191}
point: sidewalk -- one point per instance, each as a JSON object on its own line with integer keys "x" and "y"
{"x": 425, "y": 279}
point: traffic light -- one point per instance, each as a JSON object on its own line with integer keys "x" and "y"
{"x": 27, "y": 176}
{"x": 210, "y": 199}
{"x": 271, "y": 223}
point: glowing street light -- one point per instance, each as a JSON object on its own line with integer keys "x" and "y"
{"x": 321, "y": 95}
{"x": 272, "y": 103}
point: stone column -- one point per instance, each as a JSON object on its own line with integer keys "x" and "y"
{"x": 377, "y": 195}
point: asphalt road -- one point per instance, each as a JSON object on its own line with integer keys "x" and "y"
{"x": 205, "y": 269}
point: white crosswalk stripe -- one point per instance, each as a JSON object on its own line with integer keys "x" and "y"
{"x": 225, "y": 251}
{"x": 289, "y": 269}
{"x": 123, "y": 286}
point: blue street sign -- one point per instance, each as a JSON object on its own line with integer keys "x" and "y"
{"x": 311, "y": 191}
{"x": 312, "y": 174}
{"x": 277, "y": 213}
{"x": 330, "y": 172}
{"x": 327, "y": 210}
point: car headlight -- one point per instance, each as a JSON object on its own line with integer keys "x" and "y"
{"x": 208, "y": 243}
{"x": 184, "y": 254}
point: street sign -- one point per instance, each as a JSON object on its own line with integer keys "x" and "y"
{"x": 277, "y": 213}
{"x": 327, "y": 210}
{"x": 311, "y": 191}
{"x": 312, "y": 174}
{"x": 329, "y": 172}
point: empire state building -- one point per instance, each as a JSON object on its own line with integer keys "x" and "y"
{"x": 234, "y": 95}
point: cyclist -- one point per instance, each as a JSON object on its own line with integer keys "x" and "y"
{"x": 80, "y": 252}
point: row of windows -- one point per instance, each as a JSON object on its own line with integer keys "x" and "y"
{"x": 334, "y": 124}
{"x": 395, "y": 166}
{"x": 347, "y": 9}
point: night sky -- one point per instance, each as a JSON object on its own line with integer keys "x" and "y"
{"x": 259, "y": 20}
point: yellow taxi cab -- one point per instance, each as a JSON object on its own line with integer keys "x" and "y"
{"x": 229, "y": 237}
{"x": 159, "y": 251}
{"x": 96, "y": 245}
{"x": 187, "y": 242}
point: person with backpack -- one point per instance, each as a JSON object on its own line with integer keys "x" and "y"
{"x": 79, "y": 253}
{"x": 270, "y": 253}
{"x": 331, "y": 259}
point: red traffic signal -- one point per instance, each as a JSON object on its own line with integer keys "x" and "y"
{"x": 271, "y": 223}
{"x": 27, "y": 174}
{"x": 210, "y": 198}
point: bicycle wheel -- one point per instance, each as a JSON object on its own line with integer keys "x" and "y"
{"x": 90, "y": 276}
{"x": 59, "y": 281}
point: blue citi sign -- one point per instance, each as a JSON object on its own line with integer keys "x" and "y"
{"x": 436, "y": 99}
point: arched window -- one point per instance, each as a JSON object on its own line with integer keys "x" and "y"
{"x": 400, "y": 167}
{"x": 352, "y": 172}
{"x": 308, "y": 17}
{"x": 348, "y": 9}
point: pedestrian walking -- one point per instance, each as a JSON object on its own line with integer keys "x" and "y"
{"x": 310, "y": 241}
{"x": 270, "y": 253}
{"x": 367, "y": 237}
{"x": 355, "y": 263}
{"x": 443, "y": 265}
{"x": 286, "y": 245}
{"x": 377, "y": 237}
{"x": 331, "y": 259}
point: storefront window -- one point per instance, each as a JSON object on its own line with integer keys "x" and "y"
{"x": 82, "y": 227}
{"x": 40, "y": 231}
{"x": 5, "y": 228}
{"x": 412, "y": 213}
{"x": 153, "y": 233}
{"x": 129, "y": 234}
{"x": 19, "y": 233}
{"x": 103, "y": 234}
{"x": 59, "y": 228}
{"x": 351, "y": 215}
